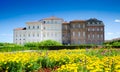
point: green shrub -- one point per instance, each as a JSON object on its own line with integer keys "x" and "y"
{"x": 31, "y": 44}
{"x": 49, "y": 43}
{"x": 43, "y": 43}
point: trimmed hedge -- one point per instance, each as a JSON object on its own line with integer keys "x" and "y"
{"x": 66, "y": 47}
{"x": 75, "y": 47}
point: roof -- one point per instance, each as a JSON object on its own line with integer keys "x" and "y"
{"x": 20, "y": 29}
{"x": 94, "y": 19}
{"x": 52, "y": 18}
{"x": 65, "y": 23}
{"x": 78, "y": 21}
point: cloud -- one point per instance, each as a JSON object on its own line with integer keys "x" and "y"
{"x": 110, "y": 33}
{"x": 5, "y": 34}
{"x": 117, "y": 20}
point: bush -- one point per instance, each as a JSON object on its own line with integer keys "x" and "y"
{"x": 49, "y": 43}
{"x": 31, "y": 44}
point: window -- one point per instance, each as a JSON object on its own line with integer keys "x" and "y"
{"x": 88, "y": 22}
{"x": 37, "y": 35}
{"x": 44, "y": 28}
{"x": 51, "y": 21}
{"x": 78, "y": 34}
{"x": 28, "y": 27}
{"x": 83, "y": 33}
{"x": 43, "y": 22}
{"x": 79, "y": 42}
{"x": 88, "y": 36}
{"x": 101, "y": 36}
{"x": 73, "y": 33}
{"x": 98, "y": 36}
{"x": 48, "y": 22}
{"x": 33, "y": 27}
{"x": 97, "y": 29}
{"x": 37, "y": 27}
{"x": 73, "y": 26}
{"x": 88, "y": 29}
{"x": 83, "y": 26}
{"x": 33, "y": 35}
{"x": 28, "y": 35}
{"x": 66, "y": 27}
{"x": 48, "y": 34}
{"x": 97, "y": 22}
{"x": 93, "y": 36}
{"x": 43, "y": 35}
{"x": 52, "y": 34}
{"x": 56, "y": 34}
{"x": 55, "y": 22}
{"x": 93, "y": 29}
{"x": 78, "y": 25}
{"x": 101, "y": 29}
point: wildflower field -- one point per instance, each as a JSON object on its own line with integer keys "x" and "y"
{"x": 77, "y": 60}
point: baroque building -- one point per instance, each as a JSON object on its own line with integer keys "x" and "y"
{"x": 74, "y": 32}
{"x": 44, "y": 29}
{"x": 83, "y": 32}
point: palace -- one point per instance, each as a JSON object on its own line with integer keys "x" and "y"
{"x": 75, "y": 32}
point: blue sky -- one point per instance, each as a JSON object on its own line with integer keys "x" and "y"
{"x": 14, "y": 14}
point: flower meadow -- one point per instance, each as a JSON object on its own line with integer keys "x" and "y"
{"x": 77, "y": 60}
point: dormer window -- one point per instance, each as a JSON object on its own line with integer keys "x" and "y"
{"x": 44, "y": 22}
{"x": 90, "y": 22}
{"x": 95, "y": 22}
{"x": 98, "y": 22}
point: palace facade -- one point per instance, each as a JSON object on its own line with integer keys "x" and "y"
{"x": 75, "y": 32}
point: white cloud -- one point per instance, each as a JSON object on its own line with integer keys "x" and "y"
{"x": 6, "y": 35}
{"x": 117, "y": 20}
{"x": 110, "y": 33}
